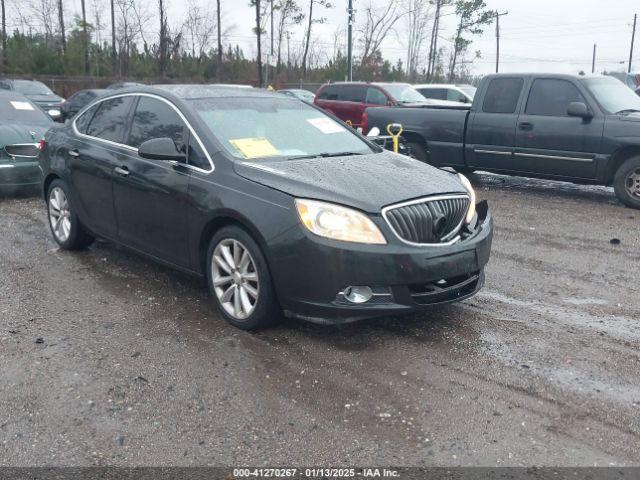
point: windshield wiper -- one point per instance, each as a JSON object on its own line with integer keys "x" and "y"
{"x": 628, "y": 110}
{"x": 326, "y": 155}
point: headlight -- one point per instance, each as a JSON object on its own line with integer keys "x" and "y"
{"x": 338, "y": 223}
{"x": 472, "y": 194}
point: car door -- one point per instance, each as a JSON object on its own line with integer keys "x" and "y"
{"x": 551, "y": 142}
{"x": 492, "y": 126}
{"x": 93, "y": 153}
{"x": 150, "y": 196}
{"x": 353, "y": 103}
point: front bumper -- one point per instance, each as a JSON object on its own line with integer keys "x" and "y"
{"x": 19, "y": 174}
{"x": 311, "y": 274}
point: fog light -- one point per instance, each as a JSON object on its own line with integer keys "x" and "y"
{"x": 358, "y": 294}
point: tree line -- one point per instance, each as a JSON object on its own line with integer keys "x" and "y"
{"x": 136, "y": 39}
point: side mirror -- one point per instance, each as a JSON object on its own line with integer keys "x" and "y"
{"x": 162, "y": 148}
{"x": 579, "y": 109}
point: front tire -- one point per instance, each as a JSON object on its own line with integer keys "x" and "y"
{"x": 65, "y": 225}
{"x": 626, "y": 183}
{"x": 239, "y": 280}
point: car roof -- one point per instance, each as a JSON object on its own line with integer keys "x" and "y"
{"x": 378, "y": 84}
{"x": 13, "y": 95}
{"x": 436, "y": 85}
{"x": 193, "y": 91}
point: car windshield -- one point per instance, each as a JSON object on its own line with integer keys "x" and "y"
{"x": 404, "y": 93}
{"x": 613, "y": 95}
{"x": 468, "y": 89}
{"x": 15, "y": 110}
{"x": 27, "y": 87}
{"x": 259, "y": 127}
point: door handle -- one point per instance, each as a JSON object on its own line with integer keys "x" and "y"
{"x": 525, "y": 126}
{"x": 74, "y": 153}
{"x": 122, "y": 171}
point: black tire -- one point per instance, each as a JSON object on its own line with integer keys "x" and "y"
{"x": 626, "y": 182}
{"x": 77, "y": 236}
{"x": 266, "y": 310}
{"x": 418, "y": 151}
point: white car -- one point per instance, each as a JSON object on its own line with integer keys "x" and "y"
{"x": 450, "y": 92}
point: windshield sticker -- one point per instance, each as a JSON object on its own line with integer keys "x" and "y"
{"x": 254, "y": 147}
{"x": 21, "y": 105}
{"x": 326, "y": 125}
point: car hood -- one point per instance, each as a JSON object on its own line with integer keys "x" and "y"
{"x": 44, "y": 98}
{"x": 13, "y": 134}
{"x": 366, "y": 182}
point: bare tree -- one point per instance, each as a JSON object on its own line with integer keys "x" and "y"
{"x": 43, "y": 12}
{"x": 472, "y": 16}
{"x": 5, "y": 63}
{"x": 378, "y": 23}
{"x": 258, "y": 30}
{"x": 113, "y": 39}
{"x": 198, "y": 27}
{"x": 435, "y": 32}
{"x": 63, "y": 38}
{"x": 416, "y": 23}
{"x": 219, "y": 23}
{"x": 290, "y": 13}
{"x": 85, "y": 38}
{"x": 162, "y": 64}
{"x": 311, "y": 21}
{"x": 130, "y": 26}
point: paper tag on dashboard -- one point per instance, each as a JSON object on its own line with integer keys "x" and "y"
{"x": 21, "y": 105}
{"x": 254, "y": 147}
{"x": 326, "y": 125}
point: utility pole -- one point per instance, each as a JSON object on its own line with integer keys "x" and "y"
{"x": 593, "y": 59}
{"x": 63, "y": 37}
{"x": 270, "y": 57}
{"x": 498, "y": 15}
{"x": 85, "y": 38}
{"x": 219, "y": 34}
{"x": 4, "y": 38}
{"x": 350, "y": 13}
{"x": 258, "y": 35}
{"x": 633, "y": 38}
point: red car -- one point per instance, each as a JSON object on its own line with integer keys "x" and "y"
{"x": 348, "y": 101}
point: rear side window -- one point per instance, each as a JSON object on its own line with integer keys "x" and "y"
{"x": 109, "y": 121}
{"x": 83, "y": 120}
{"x": 375, "y": 97}
{"x": 502, "y": 95}
{"x": 552, "y": 97}
{"x": 353, "y": 94}
{"x": 434, "y": 93}
{"x": 154, "y": 119}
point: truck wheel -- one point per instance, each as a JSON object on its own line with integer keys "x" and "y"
{"x": 239, "y": 280}
{"x": 626, "y": 183}
{"x": 417, "y": 151}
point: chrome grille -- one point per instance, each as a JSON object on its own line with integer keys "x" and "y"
{"x": 428, "y": 220}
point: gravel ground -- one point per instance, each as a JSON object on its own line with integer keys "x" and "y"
{"x": 109, "y": 359}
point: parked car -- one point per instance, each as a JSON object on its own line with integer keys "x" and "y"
{"x": 38, "y": 93}
{"x": 22, "y": 125}
{"x": 320, "y": 224}
{"x": 453, "y": 93}
{"x": 299, "y": 93}
{"x": 572, "y": 128}
{"x": 77, "y": 101}
{"x": 349, "y": 100}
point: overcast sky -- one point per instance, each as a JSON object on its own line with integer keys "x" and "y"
{"x": 536, "y": 35}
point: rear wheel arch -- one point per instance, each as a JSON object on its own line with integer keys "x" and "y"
{"x": 621, "y": 156}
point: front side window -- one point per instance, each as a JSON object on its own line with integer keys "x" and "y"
{"x": 259, "y": 127}
{"x": 375, "y": 97}
{"x": 353, "y": 94}
{"x": 154, "y": 118}
{"x": 551, "y": 97}
{"x": 502, "y": 95}
{"x": 109, "y": 121}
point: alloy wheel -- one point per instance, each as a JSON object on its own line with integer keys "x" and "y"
{"x": 59, "y": 214}
{"x": 234, "y": 278}
{"x": 632, "y": 183}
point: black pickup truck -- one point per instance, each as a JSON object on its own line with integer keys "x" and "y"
{"x": 563, "y": 127}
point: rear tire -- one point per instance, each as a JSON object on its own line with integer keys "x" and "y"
{"x": 626, "y": 182}
{"x": 418, "y": 151}
{"x": 67, "y": 230}
{"x": 239, "y": 280}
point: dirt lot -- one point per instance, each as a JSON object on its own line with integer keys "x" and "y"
{"x": 109, "y": 359}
